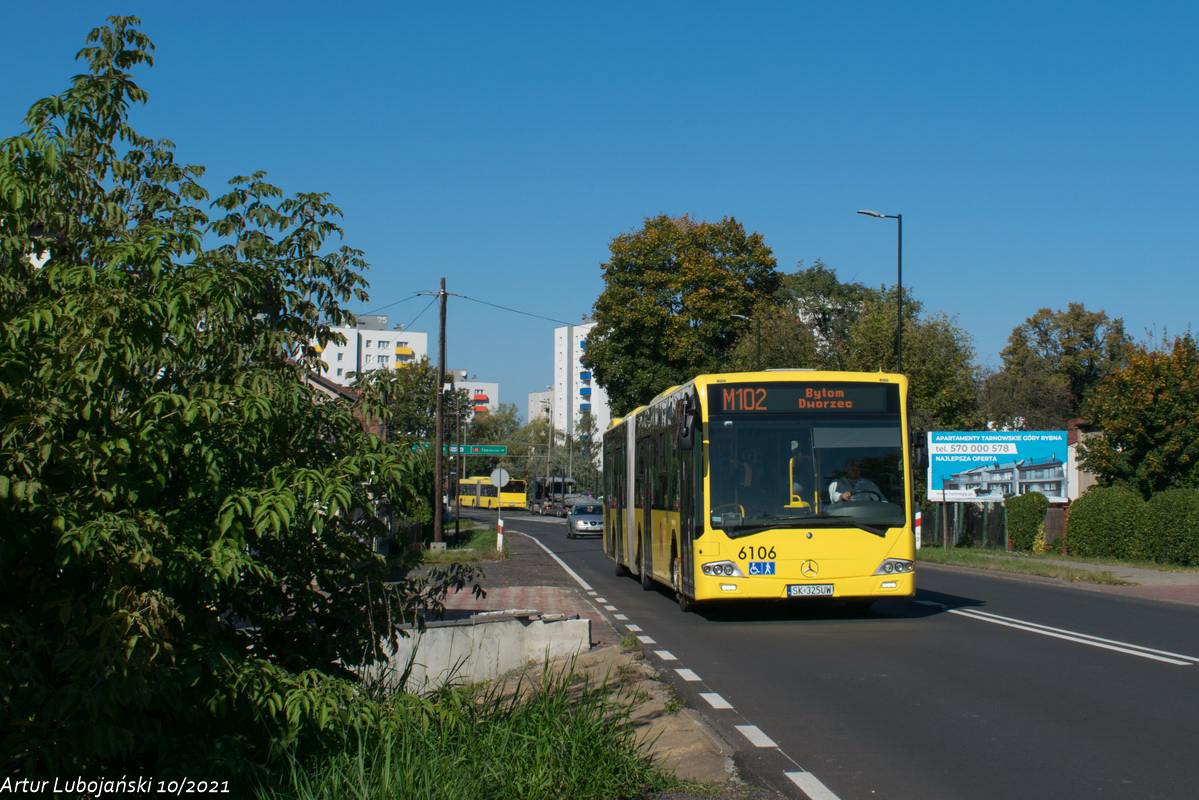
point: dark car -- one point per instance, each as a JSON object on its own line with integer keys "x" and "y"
{"x": 585, "y": 519}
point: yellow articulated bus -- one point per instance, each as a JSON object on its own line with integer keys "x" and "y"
{"x": 479, "y": 492}
{"x": 781, "y": 485}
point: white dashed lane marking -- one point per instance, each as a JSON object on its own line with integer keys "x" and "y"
{"x": 811, "y": 786}
{"x": 755, "y": 736}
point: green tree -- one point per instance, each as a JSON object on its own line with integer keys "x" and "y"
{"x": 1052, "y": 363}
{"x": 817, "y": 321}
{"x": 1147, "y": 414}
{"x": 828, "y": 309}
{"x": 184, "y": 525}
{"x": 410, "y": 395}
{"x": 666, "y": 313}
{"x": 494, "y": 427}
{"x": 938, "y": 359}
{"x": 529, "y": 448}
{"x": 774, "y": 339}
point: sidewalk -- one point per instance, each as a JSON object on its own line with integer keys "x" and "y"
{"x": 532, "y": 583}
{"x": 530, "y": 580}
{"x": 1151, "y": 584}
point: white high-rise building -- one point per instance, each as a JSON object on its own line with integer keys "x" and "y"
{"x": 574, "y": 389}
{"x": 371, "y": 345}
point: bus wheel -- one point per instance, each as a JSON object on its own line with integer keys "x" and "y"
{"x": 621, "y": 570}
{"x": 676, "y": 580}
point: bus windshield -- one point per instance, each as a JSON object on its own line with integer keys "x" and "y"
{"x": 815, "y": 469}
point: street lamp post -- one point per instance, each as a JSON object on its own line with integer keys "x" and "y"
{"x": 899, "y": 286}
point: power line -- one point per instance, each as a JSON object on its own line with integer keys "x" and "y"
{"x": 513, "y": 310}
{"x": 473, "y": 300}
{"x": 396, "y": 303}
{"x": 421, "y": 314}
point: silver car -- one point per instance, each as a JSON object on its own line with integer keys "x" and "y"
{"x": 585, "y": 519}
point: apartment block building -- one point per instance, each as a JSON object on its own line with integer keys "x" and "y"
{"x": 372, "y": 345}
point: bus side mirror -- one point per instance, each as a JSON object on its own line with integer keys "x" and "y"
{"x": 686, "y": 423}
{"x": 919, "y": 457}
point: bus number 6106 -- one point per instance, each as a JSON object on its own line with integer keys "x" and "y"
{"x": 755, "y": 552}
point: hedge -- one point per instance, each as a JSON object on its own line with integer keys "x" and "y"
{"x": 1170, "y": 527}
{"x": 1106, "y": 522}
{"x": 1025, "y": 519}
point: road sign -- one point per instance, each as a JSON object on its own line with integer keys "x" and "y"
{"x": 499, "y": 478}
{"x": 475, "y": 449}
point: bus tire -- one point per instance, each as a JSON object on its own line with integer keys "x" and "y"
{"x": 621, "y": 570}
{"x": 686, "y": 604}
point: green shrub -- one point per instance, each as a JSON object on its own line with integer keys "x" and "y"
{"x": 1106, "y": 522}
{"x": 1025, "y": 519}
{"x": 1170, "y": 527}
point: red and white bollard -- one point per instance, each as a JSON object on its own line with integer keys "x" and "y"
{"x": 916, "y": 526}
{"x": 499, "y": 534}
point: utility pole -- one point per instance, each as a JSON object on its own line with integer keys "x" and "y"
{"x": 439, "y": 429}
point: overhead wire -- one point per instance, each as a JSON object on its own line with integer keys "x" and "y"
{"x": 473, "y": 300}
{"x": 513, "y": 310}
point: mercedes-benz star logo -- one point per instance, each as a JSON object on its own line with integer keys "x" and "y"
{"x": 809, "y": 569}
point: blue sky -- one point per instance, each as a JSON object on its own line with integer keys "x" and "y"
{"x": 1040, "y": 153}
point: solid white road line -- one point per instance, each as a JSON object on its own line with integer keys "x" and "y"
{"x": 586, "y": 586}
{"x": 1081, "y": 638}
{"x": 806, "y": 781}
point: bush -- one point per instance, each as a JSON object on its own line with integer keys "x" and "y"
{"x": 1106, "y": 522}
{"x": 1170, "y": 527}
{"x": 1025, "y": 519}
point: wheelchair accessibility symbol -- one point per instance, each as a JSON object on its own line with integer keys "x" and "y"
{"x": 761, "y": 568}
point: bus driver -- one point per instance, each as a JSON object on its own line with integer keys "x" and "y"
{"x": 852, "y": 486}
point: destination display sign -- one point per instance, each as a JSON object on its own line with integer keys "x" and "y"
{"x": 742, "y": 398}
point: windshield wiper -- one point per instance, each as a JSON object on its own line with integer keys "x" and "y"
{"x": 877, "y": 531}
{"x": 776, "y": 521}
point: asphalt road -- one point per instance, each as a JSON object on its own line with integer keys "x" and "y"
{"x": 982, "y": 686}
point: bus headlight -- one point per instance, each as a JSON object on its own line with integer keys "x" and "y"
{"x": 722, "y": 569}
{"x": 891, "y": 566}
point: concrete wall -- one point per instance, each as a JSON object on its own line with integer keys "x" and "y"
{"x": 481, "y": 648}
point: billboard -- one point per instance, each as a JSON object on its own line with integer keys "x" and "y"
{"x": 988, "y": 466}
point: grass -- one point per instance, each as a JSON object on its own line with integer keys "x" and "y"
{"x": 478, "y": 545}
{"x": 565, "y": 738}
{"x": 1023, "y": 564}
